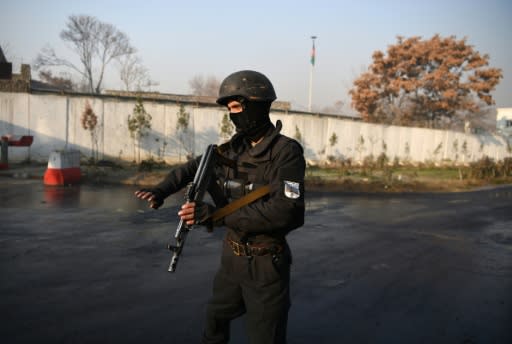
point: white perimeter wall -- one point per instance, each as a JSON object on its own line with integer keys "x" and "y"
{"x": 54, "y": 121}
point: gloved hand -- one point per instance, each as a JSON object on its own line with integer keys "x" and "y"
{"x": 202, "y": 214}
{"x": 153, "y": 196}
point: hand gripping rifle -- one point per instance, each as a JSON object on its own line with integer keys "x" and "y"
{"x": 195, "y": 193}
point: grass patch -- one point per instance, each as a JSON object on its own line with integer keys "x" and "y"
{"x": 399, "y": 178}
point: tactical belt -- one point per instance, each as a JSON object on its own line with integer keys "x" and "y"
{"x": 249, "y": 250}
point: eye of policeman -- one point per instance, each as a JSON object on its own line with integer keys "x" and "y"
{"x": 234, "y": 106}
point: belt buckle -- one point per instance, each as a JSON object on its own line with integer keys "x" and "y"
{"x": 238, "y": 249}
{"x": 234, "y": 247}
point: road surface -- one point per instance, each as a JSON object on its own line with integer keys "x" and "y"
{"x": 88, "y": 264}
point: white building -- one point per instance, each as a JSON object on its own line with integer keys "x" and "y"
{"x": 504, "y": 121}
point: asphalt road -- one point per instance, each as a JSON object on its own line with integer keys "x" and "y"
{"x": 88, "y": 264}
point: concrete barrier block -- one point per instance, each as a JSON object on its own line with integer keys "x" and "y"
{"x": 63, "y": 168}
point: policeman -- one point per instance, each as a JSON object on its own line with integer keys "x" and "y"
{"x": 254, "y": 273}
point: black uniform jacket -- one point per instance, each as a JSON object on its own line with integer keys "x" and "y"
{"x": 277, "y": 161}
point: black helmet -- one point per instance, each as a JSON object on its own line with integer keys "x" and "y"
{"x": 249, "y": 84}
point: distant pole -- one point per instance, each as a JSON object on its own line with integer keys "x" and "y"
{"x": 313, "y": 53}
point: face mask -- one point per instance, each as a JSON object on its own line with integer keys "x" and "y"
{"x": 254, "y": 121}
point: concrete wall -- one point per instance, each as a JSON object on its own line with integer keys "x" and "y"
{"x": 54, "y": 121}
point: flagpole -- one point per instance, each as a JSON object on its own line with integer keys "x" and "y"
{"x": 313, "y": 53}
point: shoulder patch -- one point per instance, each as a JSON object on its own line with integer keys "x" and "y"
{"x": 291, "y": 189}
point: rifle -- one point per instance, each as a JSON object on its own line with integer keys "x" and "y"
{"x": 194, "y": 193}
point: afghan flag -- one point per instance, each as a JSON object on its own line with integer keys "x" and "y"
{"x": 313, "y": 54}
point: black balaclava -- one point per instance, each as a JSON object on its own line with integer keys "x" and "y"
{"x": 254, "y": 121}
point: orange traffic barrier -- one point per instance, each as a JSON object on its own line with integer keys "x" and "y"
{"x": 63, "y": 168}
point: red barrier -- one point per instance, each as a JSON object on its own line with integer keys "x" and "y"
{"x": 63, "y": 168}
{"x": 62, "y": 176}
{"x": 12, "y": 141}
{"x": 19, "y": 141}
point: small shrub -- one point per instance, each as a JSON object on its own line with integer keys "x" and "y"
{"x": 149, "y": 164}
{"x": 382, "y": 160}
{"x": 369, "y": 162}
{"x": 484, "y": 168}
{"x": 506, "y": 167}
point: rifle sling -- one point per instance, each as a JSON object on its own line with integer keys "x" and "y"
{"x": 240, "y": 202}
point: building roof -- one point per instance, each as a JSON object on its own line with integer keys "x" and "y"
{"x": 2, "y": 56}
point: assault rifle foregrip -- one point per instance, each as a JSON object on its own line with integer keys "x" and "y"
{"x": 195, "y": 193}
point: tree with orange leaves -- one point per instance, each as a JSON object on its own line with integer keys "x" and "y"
{"x": 435, "y": 83}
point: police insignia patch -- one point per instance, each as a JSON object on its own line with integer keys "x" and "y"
{"x": 291, "y": 189}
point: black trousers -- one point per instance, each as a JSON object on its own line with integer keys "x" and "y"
{"x": 256, "y": 286}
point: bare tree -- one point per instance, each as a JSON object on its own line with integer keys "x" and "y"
{"x": 336, "y": 108}
{"x": 96, "y": 43}
{"x": 133, "y": 74}
{"x": 204, "y": 87}
{"x": 62, "y": 82}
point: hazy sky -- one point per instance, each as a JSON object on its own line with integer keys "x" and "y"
{"x": 178, "y": 40}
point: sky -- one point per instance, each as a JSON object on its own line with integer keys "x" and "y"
{"x": 178, "y": 40}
